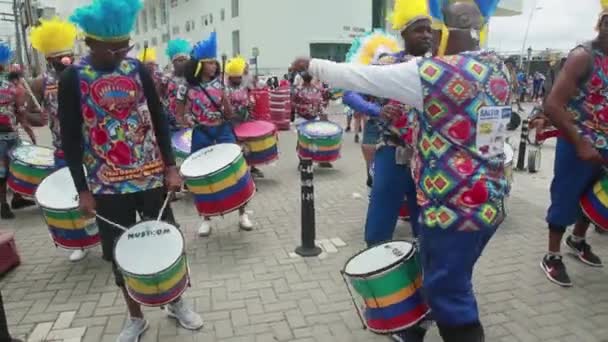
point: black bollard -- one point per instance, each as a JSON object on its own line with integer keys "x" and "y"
{"x": 521, "y": 156}
{"x": 308, "y": 247}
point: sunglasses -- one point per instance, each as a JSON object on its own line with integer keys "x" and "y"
{"x": 121, "y": 51}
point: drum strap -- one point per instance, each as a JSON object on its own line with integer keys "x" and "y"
{"x": 218, "y": 107}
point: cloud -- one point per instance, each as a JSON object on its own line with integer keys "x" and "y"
{"x": 559, "y": 24}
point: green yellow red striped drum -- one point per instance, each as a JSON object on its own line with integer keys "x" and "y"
{"x": 151, "y": 256}
{"x": 595, "y": 203}
{"x": 182, "y": 143}
{"x": 29, "y": 165}
{"x": 388, "y": 278}
{"x": 219, "y": 178}
{"x": 58, "y": 199}
{"x": 319, "y": 141}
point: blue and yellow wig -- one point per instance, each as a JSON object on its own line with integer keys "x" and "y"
{"x": 5, "y": 54}
{"x": 178, "y": 48}
{"x": 108, "y": 20}
{"x": 205, "y": 51}
{"x": 369, "y": 48}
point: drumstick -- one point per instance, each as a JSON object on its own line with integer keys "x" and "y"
{"x": 31, "y": 94}
{"x": 111, "y": 222}
{"x": 162, "y": 209}
{"x": 354, "y": 302}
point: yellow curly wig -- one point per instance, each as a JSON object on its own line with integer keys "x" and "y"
{"x": 54, "y": 37}
{"x": 236, "y": 66}
{"x": 407, "y": 12}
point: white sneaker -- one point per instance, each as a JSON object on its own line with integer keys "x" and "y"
{"x": 184, "y": 315}
{"x": 244, "y": 222}
{"x": 78, "y": 255}
{"x": 133, "y": 330}
{"x": 205, "y": 228}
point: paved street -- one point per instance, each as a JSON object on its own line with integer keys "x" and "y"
{"x": 249, "y": 288}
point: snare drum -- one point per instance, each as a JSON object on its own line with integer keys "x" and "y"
{"x": 219, "y": 178}
{"x": 388, "y": 278}
{"x": 58, "y": 198}
{"x": 29, "y": 165}
{"x": 259, "y": 140}
{"x": 182, "y": 143}
{"x": 151, "y": 256}
{"x": 320, "y": 141}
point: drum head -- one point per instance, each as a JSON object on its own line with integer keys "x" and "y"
{"x": 508, "y": 154}
{"x": 210, "y": 160}
{"x": 254, "y": 129}
{"x": 148, "y": 248}
{"x": 34, "y": 155}
{"x": 378, "y": 258}
{"x": 320, "y": 129}
{"x": 57, "y": 191}
{"x": 182, "y": 140}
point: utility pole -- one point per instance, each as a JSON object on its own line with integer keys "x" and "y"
{"x": 33, "y": 16}
{"x": 19, "y": 47}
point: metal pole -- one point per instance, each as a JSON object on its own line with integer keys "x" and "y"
{"x": 19, "y": 47}
{"x": 256, "y": 66}
{"x": 35, "y": 56}
{"x": 523, "y": 46}
{"x": 308, "y": 247}
{"x": 521, "y": 156}
{"x": 529, "y": 62}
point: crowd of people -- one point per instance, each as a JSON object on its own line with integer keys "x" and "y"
{"x": 432, "y": 116}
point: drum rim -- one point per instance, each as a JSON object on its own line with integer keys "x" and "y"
{"x": 11, "y": 154}
{"x": 182, "y": 255}
{"x": 240, "y": 154}
{"x": 303, "y": 125}
{"x": 384, "y": 269}
{"x": 42, "y": 182}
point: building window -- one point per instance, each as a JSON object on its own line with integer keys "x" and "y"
{"x": 205, "y": 20}
{"x": 137, "y": 46}
{"x": 137, "y": 26}
{"x": 236, "y": 43}
{"x": 173, "y": 3}
{"x": 153, "y": 17}
{"x": 192, "y": 25}
{"x": 144, "y": 21}
{"x": 175, "y": 29}
{"x": 163, "y": 12}
{"x": 165, "y": 37}
{"x": 332, "y": 51}
{"x": 235, "y": 8}
{"x": 145, "y": 43}
{"x": 187, "y": 26}
{"x": 211, "y": 18}
{"x": 154, "y": 41}
{"x": 222, "y": 14}
{"x": 379, "y": 13}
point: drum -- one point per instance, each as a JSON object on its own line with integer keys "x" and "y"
{"x": 259, "y": 140}
{"x": 182, "y": 143}
{"x": 595, "y": 203}
{"x": 509, "y": 154}
{"x": 58, "y": 198}
{"x": 219, "y": 178}
{"x": 29, "y": 165}
{"x": 388, "y": 278}
{"x": 320, "y": 141}
{"x": 151, "y": 256}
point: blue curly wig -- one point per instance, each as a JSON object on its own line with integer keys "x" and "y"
{"x": 107, "y": 20}
{"x": 178, "y": 47}
{"x": 5, "y": 54}
{"x": 205, "y": 49}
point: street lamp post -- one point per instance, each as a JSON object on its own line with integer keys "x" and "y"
{"x": 529, "y": 61}
{"x": 523, "y": 45}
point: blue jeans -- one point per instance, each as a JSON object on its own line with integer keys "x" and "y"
{"x": 448, "y": 257}
{"x": 205, "y": 136}
{"x": 392, "y": 183}
{"x": 572, "y": 177}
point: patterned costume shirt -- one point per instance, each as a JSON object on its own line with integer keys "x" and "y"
{"x": 50, "y": 85}
{"x": 173, "y": 85}
{"x": 241, "y": 102}
{"x": 458, "y": 162}
{"x": 590, "y": 106}
{"x": 202, "y": 110}
{"x": 121, "y": 153}
{"x": 308, "y": 102}
{"x": 8, "y": 111}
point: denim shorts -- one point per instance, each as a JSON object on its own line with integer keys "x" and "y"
{"x": 371, "y": 132}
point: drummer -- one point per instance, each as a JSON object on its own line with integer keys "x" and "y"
{"x": 581, "y": 152}
{"x": 241, "y": 102}
{"x": 178, "y": 51}
{"x": 206, "y": 107}
{"x": 128, "y": 166}
{"x": 309, "y": 102}
{"x": 12, "y": 114}
{"x": 55, "y": 39}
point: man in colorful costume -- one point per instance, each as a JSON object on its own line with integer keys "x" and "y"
{"x": 12, "y": 114}
{"x": 112, "y": 122}
{"x": 55, "y": 39}
{"x": 207, "y": 107}
{"x": 458, "y": 168}
{"x": 240, "y": 99}
{"x": 178, "y": 51}
{"x": 581, "y": 151}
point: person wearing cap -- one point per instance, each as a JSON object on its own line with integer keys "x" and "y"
{"x": 458, "y": 168}
{"x": 12, "y": 114}
{"x": 206, "y": 106}
{"x": 112, "y": 121}
{"x": 581, "y": 151}
{"x": 55, "y": 39}
{"x": 240, "y": 99}
{"x": 178, "y": 51}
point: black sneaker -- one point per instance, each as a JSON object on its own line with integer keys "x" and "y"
{"x": 600, "y": 230}
{"x": 583, "y": 251}
{"x": 326, "y": 165}
{"x": 257, "y": 173}
{"x": 5, "y": 212}
{"x": 20, "y": 203}
{"x": 413, "y": 334}
{"x": 555, "y": 270}
{"x": 357, "y": 138}
{"x": 347, "y": 129}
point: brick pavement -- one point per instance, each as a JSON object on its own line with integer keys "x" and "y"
{"x": 248, "y": 288}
